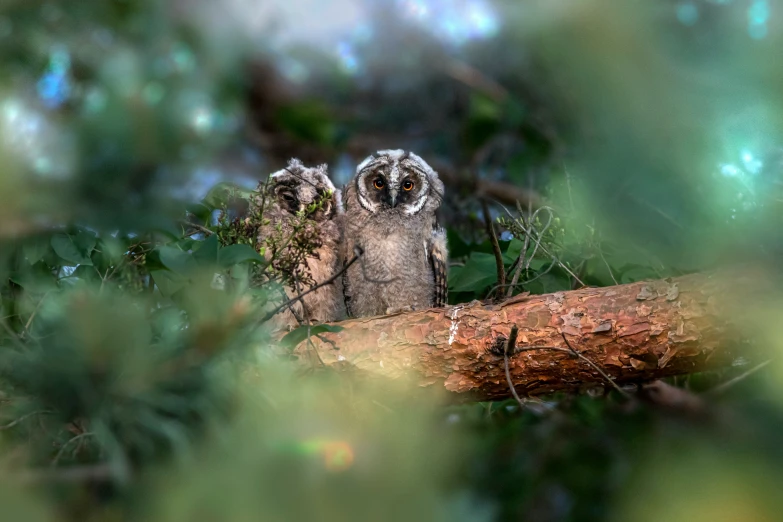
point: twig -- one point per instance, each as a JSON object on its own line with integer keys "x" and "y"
{"x": 306, "y": 315}
{"x": 329, "y": 281}
{"x": 509, "y": 346}
{"x": 601, "y": 253}
{"x": 526, "y": 281}
{"x": 571, "y": 351}
{"x": 520, "y": 260}
{"x": 717, "y": 390}
{"x": 568, "y": 185}
{"x": 23, "y": 417}
{"x": 32, "y": 316}
{"x": 539, "y": 234}
{"x": 14, "y": 337}
{"x": 501, "y": 270}
{"x": 510, "y": 343}
{"x": 98, "y": 472}
{"x": 596, "y": 367}
{"x": 197, "y": 227}
{"x": 546, "y": 250}
{"x": 475, "y": 79}
{"x": 71, "y": 441}
{"x": 528, "y": 224}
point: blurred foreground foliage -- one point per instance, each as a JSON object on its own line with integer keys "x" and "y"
{"x": 136, "y": 382}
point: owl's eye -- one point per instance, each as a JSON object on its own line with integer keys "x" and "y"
{"x": 378, "y": 183}
{"x": 407, "y": 185}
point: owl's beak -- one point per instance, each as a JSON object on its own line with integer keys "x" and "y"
{"x": 393, "y": 197}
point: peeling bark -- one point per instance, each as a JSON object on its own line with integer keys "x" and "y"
{"x": 635, "y": 332}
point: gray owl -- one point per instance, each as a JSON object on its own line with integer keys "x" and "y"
{"x": 300, "y": 236}
{"x": 390, "y": 217}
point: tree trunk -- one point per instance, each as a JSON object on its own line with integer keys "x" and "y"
{"x": 634, "y": 333}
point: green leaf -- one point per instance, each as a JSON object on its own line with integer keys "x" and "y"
{"x": 176, "y": 260}
{"x": 85, "y": 241}
{"x": 75, "y": 253}
{"x": 293, "y": 338}
{"x": 35, "y": 278}
{"x": 235, "y": 254}
{"x": 86, "y": 273}
{"x": 477, "y": 274}
{"x": 221, "y": 195}
{"x": 200, "y": 212}
{"x": 207, "y": 253}
{"x": 35, "y": 249}
{"x": 512, "y": 252}
{"x": 167, "y": 283}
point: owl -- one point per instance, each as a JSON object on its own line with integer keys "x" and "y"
{"x": 300, "y": 237}
{"x": 390, "y": 220}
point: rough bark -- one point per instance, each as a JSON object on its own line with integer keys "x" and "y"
{"x": 635, "y": 333}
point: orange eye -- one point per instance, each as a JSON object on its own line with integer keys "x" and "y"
{"x": 378, "y": 183}
{"x": 407, "y": 185}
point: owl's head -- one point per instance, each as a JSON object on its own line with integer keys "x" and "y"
{"x": 296, "y": 188}
{"x": 399, "y": 181}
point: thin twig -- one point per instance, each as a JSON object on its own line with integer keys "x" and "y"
{"x": 571, "y": 351}
{"x": 541, "y": 233}
{"x": 525, "y": 225}
{"x": 717, "y": 390}
{"x": 306, "y": 316}
{"x": 546, "y": 250}
{"x": 23, "y": 417}
{"x": 527, "y": 281}
{"x": 197, "y": 227}
{"x": 71, "y": 441}
{"x": 475, "y": 79}
{"x": 329, "y": 281}
{"x": 596, "y": 367}
{"x": 14, "y": 337}
{"x": 32, "y": 316}
{"x": 520, "y": 261}
{"x": 98, "y": 472}
{"x": 510, "y": 346}
{"x": 510, "y": 343}
{"x": 601, "y": 253}
{"x": 501, "y": 270}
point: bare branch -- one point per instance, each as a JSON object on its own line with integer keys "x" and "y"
{"x": 596, "y": 367}
{"x": 501, "y": 269}
{"x": 731, "y": 382}
{"x": 329, "y": 281}
{"x": 95, "y": 473}
{"x": 196, "y": 226}
{"x": 22, "y": 418}
{"x": 71, "y": 441}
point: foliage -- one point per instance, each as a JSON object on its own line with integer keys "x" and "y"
{"x": 136, "y": 382}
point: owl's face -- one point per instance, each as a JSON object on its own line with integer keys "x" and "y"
{"x": 296, "y": 188}
{"x": 398, "y": 181}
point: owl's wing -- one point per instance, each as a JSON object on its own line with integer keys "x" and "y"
{"x": 439, "y": 256}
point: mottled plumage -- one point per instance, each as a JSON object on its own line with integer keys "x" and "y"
{"x": 303, "y": 237}
{"x": 390, "y": 217}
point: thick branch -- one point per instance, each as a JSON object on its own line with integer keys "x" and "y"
{"x": 632, "y": 333}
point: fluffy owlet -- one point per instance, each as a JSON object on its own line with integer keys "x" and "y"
{"x": 390, "y": 217}
{"x": 301, "y": 240}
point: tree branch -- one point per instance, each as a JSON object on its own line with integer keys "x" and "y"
{"x": 627, "y": 334}
{"x": 493, "y": 239}
{"x": 294, "y": 299}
